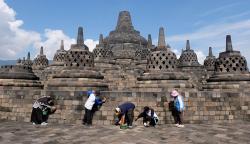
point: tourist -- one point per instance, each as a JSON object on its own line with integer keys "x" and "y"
{"x": 178, "y": 108}
{"x": 42, "y": 108}
{"x": 89, "y": 92}
{"x": 125, "y": 112}
{"x": 91, "y": 105}
{"x": 149, "y": 117}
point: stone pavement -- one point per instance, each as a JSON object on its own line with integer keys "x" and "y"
{"x": 25, "y": 133}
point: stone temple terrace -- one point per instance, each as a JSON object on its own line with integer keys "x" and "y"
{"x": 125, "y": 66}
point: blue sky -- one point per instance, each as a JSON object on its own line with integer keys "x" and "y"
{"x": 44, "y": 22}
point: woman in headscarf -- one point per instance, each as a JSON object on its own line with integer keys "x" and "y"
{"x": 42, "y": 108}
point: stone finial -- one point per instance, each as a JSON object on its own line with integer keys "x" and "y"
{"x": 124, "y": 22}
{"x": 101, "y": 39}
{"x": 80, "y": 39}
{"x": 149, "y": 41}
{"x": 210, "y": 52}
{"x": 188, "y": 45}
{"x": 28, "y": 56}
{"x": 62, "y": 45}
{"x": 168, "y": 46}
{"x": 229, "y": 46}
{"x": 41, "y": 50}
{"x": 161, "y": 38}
{"x": 18, "y": 61}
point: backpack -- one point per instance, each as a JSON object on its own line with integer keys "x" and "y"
{"x": 98, "y": 104}
{"x": 179, "y": 103}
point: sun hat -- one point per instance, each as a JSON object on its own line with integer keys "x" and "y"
{"x": 174, "y": 93}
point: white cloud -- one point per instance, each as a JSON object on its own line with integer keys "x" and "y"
{"x": 15, "y": 39}
{"x": 91, "y": 44}
{"x": 52, "y": 42}
{"x": 219, "y": 9}
{"x": 200, "y": 56}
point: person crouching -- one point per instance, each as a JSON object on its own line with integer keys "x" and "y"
{"x": 42, "y": 108}
{"x": 149, "y": 117}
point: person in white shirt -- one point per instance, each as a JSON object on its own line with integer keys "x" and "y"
{"x": 150, "y": 118}
{"x": 89, "y": 112}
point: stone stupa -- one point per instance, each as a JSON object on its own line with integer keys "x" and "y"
{"x": 162, "y": 72}
{"x": 209, "y": 62}
{"x": 231, "y": 71}
{"x": 78, "y": 73}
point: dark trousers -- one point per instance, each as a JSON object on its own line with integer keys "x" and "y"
{"x": 46, "y": 117}
{"x": 88, "y": 116}
{"x": 178, "y": 116}
{"x": 37, "y": 116}
{"x": 130, "y": 117}
{"x": 152, "y": 121}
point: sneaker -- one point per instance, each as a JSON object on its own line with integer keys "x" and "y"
{"x": 34, "y": 123}
{"x": 44, "y": 123}
{"x": 88, "y": 126}
{"x": 181, "y": 126}
{"x": 130, "y": 127}
{"x": 145, "y": 124}
{"x": 177, "y": 125}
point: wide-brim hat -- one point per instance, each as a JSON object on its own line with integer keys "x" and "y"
{"x": 174, "y": 93}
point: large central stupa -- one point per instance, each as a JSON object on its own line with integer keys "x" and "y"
{"x": 125, "y": 41}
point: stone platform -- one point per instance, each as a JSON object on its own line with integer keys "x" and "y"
{"x": 26, "y": 133}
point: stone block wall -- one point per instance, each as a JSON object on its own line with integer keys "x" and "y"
{"x": 16, "y": 102}
{"x": 201, "y": 106}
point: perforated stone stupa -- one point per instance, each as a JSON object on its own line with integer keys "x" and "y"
{"x": 162, "y": 58}
{"x": 188, "y": 57}
{"x": 231, "y": 65}
{"x": 60, "y": 55}
{"x": 18, "y": 76}
{"x": 162, "y": 72}
{"x": 40, "y": 62}
{"x": 125, "y": 66}
{"x": 79, "y": 72}
{"x": 28, "y": 62}
{"x": 209, "y": 62}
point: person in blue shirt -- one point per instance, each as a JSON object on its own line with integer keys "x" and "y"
{"x": 126, "y": 109}
{"x": 178, "y": 108}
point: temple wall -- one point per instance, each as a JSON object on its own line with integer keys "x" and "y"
{"x": 201, "y": 106}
